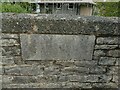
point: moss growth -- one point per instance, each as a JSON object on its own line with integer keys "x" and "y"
{"x": 108, "y": 9}
{"x": 11, "y": 7}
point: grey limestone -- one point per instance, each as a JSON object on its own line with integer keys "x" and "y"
{"x": 59, "y": 24}
{"x": 57, "y": 47}
{"x": 114, "y": 53}
{"x": 9, "y": 36}
{"x": 108, "y": 47}
{"x": 59, "y": 51}
{"x": 107, "y": 61}
{"x": 108, "y": 40}
{"x": 10, "y": 51}
{"x": 9, "y": 42}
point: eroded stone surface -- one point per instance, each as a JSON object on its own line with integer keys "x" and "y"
{"x": 57, "y": 47}
{"x": 59, "y": 24}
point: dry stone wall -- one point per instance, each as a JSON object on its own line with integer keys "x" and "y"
{"x": 99, "y": 71}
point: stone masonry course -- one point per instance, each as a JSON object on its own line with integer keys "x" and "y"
{"x": 60, "y": 51}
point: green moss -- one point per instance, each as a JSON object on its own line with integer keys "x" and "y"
{"x": 0, "y": 7}
{"x": 108, "y": 9}
{"x": 10, "y": 7}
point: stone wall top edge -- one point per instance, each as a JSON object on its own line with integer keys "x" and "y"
{"x": 59, "y": 17}
{"x": 59, "y": 24}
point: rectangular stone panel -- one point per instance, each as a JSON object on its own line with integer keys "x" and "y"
{"x": 57, "y": 47}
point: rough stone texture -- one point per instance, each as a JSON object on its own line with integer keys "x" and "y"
{"x": 23, "y": 70}
{"x": 7, "y": 51}
{"x": 108, "y": 40}
{"x": 59, "y": 24}
{"x": 114, "y": 53}
{"x": 108, "y": 47}
{"x": 7, "y": 60}
{"x": 102, "y": 71}
{"x": 113, "y": 70}
{"x": 51, "y": 79}
{"x": 1, "y": 70}
{"x": 11, "y": 60}
{"x": 57, "y": 47}
{"x": 10, "y": 42}
{"x": 9, "y": 36}
{"x": 99, "y": 53}
{"x": 108, "y": 61}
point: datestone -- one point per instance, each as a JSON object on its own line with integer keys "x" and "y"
{"x": 57, "y": 47}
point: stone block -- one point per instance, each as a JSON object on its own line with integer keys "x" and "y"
{"x": 113, "y": 53}
{"x": 9, "y": 36}
{"x": 104, "y": 78}
{"x": 68, "y": 85}
{"x": 23, "y": 70}
{"x": 112, "y": 70}
{"x": 85, "y": 63}
{"x": 18, "y": 79}
{"x": 83, "y": 78}
{"x": 52, "y": 70}
{"x": 57, "y": 47}
{"x": 116, "y": 79}
{"x": 108, "y": 40}
{"x": 106, "y": 86}
{"x": 97, "y": 69}
{"x": 10, "y": 51}
{"x": 107, "y": 61}
{"x": 106, "y": 47}
{"x": 11, "y": 60}
{"x": 7, "y": 79}
{"x": 31, "y": 86}
{"x": 98, "y": 53}
{"x": 75, "y": 70}
{"x": 9, "y": 42}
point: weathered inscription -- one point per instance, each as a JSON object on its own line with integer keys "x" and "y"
{"x": 57, "y": 47}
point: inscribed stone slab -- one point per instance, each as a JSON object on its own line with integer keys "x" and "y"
{"x": 57, "y": 47}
